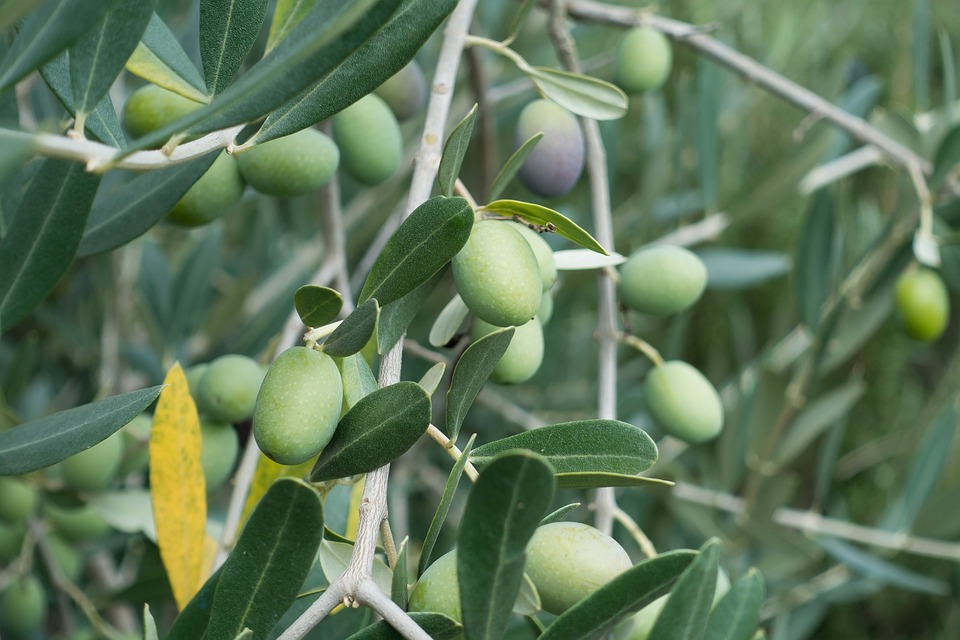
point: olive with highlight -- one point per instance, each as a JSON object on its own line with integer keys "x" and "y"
{"x": 643, "y": 61}
{"x": 662, "y": 280}
{"x": 683, "y": 402}
{"x": 215, "y": 193}
{"x": 522, "y": 358}
{"x": 556, "y": 162}
{"x": 370, "y": 141}
{"x": 293, "y": 165}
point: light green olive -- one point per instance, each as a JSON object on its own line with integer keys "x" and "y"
{"x": 293, "y": 165}
{"x": 214, "y": 194}
{"x": 437, "y": 589}
{"x": 151, "y": 107}
{"x": 923, "y": 304}
{"x": 298, "y": 406}
{"x": 497, "y": 276}
{"x": 370, "y": 141}
{"x": 194, "y": 375}
{"x": 95, "y": 468}
{"x": 543, "y": 253}
{"x": 17, "y": 500}
{"x": 218, "y": 453}
{"x": 228, "y": 388}
{"x": 405, "y": 91}
{"x": 568, "y": 561}
{"x": 683, "y": 402}
{"x": 11, "y": 540}
{"x": 67, "y": 557}
{"x": 22, "y": 606}
{"x": 545, "y": 312}
{"x": 77, "y": 523}
{"x": 522, "y": 358}
{"x": 643, "y": 60}
{"x": 662, "y": 280}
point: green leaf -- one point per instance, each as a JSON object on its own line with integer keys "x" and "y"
{"x": 263, "y": 574}
{"x": 431, "y": 379}
{"x": 398, "y": 585}
{"x": 816, "y": 418}
{"x": 160, "y": 60}
{"x": 440, "y": 516}
{"x": 735, "y": 269}
{"x": 354, "y": 332}
{"x": 127, "y": 212}
{"x": 317, "y": 305}
{"x": 286, "y": 15}
{"x": 814, "y": 258}
{"x": 335, "y": 558}
{"x": 579, "y": 94}
{"x": 597, "y": 479}
{"x": 98, "y": 57}
{"x": 40, "y": 443}
{"x": 228, "y": 29}
{"x": 545, "y": 217}
{"x": 606, "y": 446}
{"x": 376, "y": 431}
{"x": 437, "y": 625}
{"x": 103, "y": 123}
{"x": 503, "y": 510}
{"x": 52, "y": 28}
{"x": 366, "y": 67}
{"x": 512, "y": 166}
{"x": 42, "y": 239}
{"x": 626, "y": 594}
{"x": 454, "y": 151}
{"x": 193, "y": 620}
{"x": 15, "y": 148}
{"x": 584, "y": 259}
{"x": 737, "y": 615}
{"x": 13, "y": 10}
{"x": 396, "y": 316}
{"x": 947, "y": 158}
{"x": 422, "y": 245}
{"x": 192, "y": 284}
{"x": 472, "y": 370}
{"x": 448, "y": 322}
{"x": 876, "y": 568}
{"x": 358, "y": 379}
{"x": 708, "y": 152}
{"x": 149, "y": 625}
{"x": 687, "y": 611}
{"x": 560, "y": 514}
{"x": 528, "y": 600}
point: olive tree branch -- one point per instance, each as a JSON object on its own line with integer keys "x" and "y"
{"x": 596, "y": 160}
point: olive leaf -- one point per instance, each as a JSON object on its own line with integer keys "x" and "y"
{"x": 317, "y": 305}
{"x": 545, "y": 217}
{"x": 454, "y": 150}
{"x": 510, "y": 169}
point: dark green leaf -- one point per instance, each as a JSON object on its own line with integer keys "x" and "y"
{"x": 192, "y": 284}
{"x": 454, "y": 151}
{"x": 43, "y": 237}
{"x": 358, "y": 379}
{"x": 583, "y": 95}
{"x": 317, "y": 305}
{"x": 947, "y": 158}
{"x": 15, "y": 148}
{"x": 228, "y": 29}
{"x": 40, "y": 443}
{"x": 606, "y": 446}
{"x": 286, "y": 15}
{"x": 597, "y": 479}
{"x": 387, "y": 51}
{"x": 510, "y": 169}
{"x": 505, "y": 507}
{"x": 398, "y": 587}
{"x": 396, "y": 316}
{"x": 737, "y": 614}
{"x": 472, "y": 370}
{"x": 263, "y": 574}
{"x": 629, "y": 592}
{"x": 422, "y": 245}
{"x": 687, "y": 611}
{"x": 439, "y": 626}
{"x": 193, "y": 620}
{"x": 354, "y": 332}
{"x": 159, "y": 59}
{"x": 376, "y": 431}
{"x": 545, "y": 217}
{"x": 734, "y": 269}
{"x": 52, "y": 28}
{"x": 814, "y": 258}
{"x": 98, "y": 57}
{"x": 102, "y": 124}
{"x": 440, "y": 516}
{"x": 816, "y": 418}
{"x": 127, "y": 212}
{"x": 560, "y": 514}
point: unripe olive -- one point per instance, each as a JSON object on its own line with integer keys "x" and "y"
{"x": 405, "y": 92}
{"x": 437, "y": 589}
{"x": 568, "y": 561}
{"x": 22, "y": 606}
{"x": 229, "y": 387}
{"x": 136, "y": 444}
{"x": 683, "y": 402}
{"x": 555, "y": 164}
{"x": 923, "y": 304}
{"x": 497, "y": 276}
{"x": 639, "y": 626}
{"x": 643, "y": 60}
{"x": 194, "y": 375}
{"x": 370, "y": 141}
{"x": 151, "y": 107}
{"x": 67, "y": 557}
{"x": 95, "y": 468}
{"x": 545, "y": 312}
{"x": 524, "y": 355}
{"x": 17, "y": 500}
{"x": 662, "y": 280}
{"x": 293, "y": 165}
{"x": 77, "y": 523}
{"x": 298, "y": 406}
{"x": 218, "y": 454}
{"x": 543, "y": 253}
{"x": 11, "y": 540}
{"x": 215, "y": 193}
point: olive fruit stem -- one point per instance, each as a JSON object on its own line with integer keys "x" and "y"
{"x": 643, "y": 347}
{"x": 500, "y": 48}
{"x": 464, "y": 193}
{"x": 452, "y": 450}
{"x": 317, "y": 334}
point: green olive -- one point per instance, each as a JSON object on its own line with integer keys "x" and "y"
{"x": 545, "y": 312}
{"x": 22, "y": 606}
{"x": 923, "y": 304}
{"x": 683, "y": 402}
{"x": 522, "y": 358}
{"x": 662, "y": 280}
{"x": 218, "y": 453}
{"x": 17, "y": 500}
{"x": 556, "y": 162}
{"x": 151, "y": 107}
{"x": 643, "y": 60}
{"x": 229, "y": 387}
{"x": 11, "y": 540}
{"x": 497, "y": 276}
{"x": 77, "y": 523}
{"x": 298, "y": 406}
{"x": 543, "y": 253}
{"x": 293, "y": 165}
{"x": 194, "y": 375}
{"x": 405, "y": 92}
{"x": 568, "y": 561}
{"x": 639, "y": 626}
{"x": 67, "y": 557}
{"x": 370, "y": 141}
{"x": 437, "y": 589}
{"x": 214, "y": 194}
{"x": 95, "y": 468}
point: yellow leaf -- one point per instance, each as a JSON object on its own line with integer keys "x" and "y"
{"x": 266, "y": 473}
{"x": 177, "y": 487}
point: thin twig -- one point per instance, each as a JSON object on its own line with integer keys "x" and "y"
{"x": 452, "y": 450}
